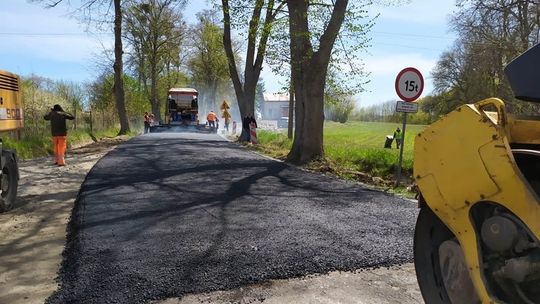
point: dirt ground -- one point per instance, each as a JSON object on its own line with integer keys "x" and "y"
{"x": 369, "y": 286}
{"x": 33, "y": 234}
{"x": 32, "y": 238}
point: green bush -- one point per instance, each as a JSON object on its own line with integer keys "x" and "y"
{"x": 38, "y": 146}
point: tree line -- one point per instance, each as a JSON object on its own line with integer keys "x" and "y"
{"x": 157, "y": 50}
{"x": 313, "y": 43}
{"x": 491, "y": 33}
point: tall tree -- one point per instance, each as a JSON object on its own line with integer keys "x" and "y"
{"x": 73, "y": 95}
{"x": 260, "y": 23}
{"x": 208, "y": 62}
{"x": 345, "y": 74}
{"x": 309, "y": 70}
{"x": 119, "y": 94}
{"x": 491, "y": 33}
{"x": 155, "y": 32}
{"x": 87, "y": 7}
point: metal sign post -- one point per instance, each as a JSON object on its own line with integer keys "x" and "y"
{"x": 398, "y": 175}
{"x": 409, "y": 86}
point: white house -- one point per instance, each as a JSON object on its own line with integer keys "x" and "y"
{"x": 276, "y": 107}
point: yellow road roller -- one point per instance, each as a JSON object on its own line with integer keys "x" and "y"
{"x": 477, "y": 170}
{"x": 11, "y": 118}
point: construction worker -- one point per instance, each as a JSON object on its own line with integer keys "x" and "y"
{"x": 226, "y": 115}
{"x": 398, "y": 136}
{"x": 227, "y": 122}
{"x": 212, "y": 119}
{"x": 173, "y": 109}
{"x": 245, "y": 125}
{"x": 58, "y": 117}
{"x": 146, "y": 122}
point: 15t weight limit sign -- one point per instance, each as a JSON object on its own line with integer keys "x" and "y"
{"x": 409, "y": 84}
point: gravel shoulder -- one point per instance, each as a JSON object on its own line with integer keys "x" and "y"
{"x": 33, "y": 234}
{"x": 396, "y": 284}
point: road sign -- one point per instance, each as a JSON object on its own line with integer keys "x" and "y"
{"x": 409, "y": 84}
{"x": 224, "y": 106}
{"x": 406, "y": 107}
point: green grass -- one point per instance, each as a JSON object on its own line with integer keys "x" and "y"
{"x": 38, "y": 146}
{"x": 274, "y": 144}
{"x": 360, "y": 146}
{"x": 30, "y": 147}
{"x": 353, "y": 147}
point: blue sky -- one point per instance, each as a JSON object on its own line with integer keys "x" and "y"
{"x": 48, "y": 43}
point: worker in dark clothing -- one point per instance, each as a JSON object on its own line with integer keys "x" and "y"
{"x": 245, "y": 125}
{"x": 58, "y": 117}
{"x": 146, "y": 122}
{"x": 248, "y": 119}
{"x": 173, "y": 110}
{"x": 252, "y": 120}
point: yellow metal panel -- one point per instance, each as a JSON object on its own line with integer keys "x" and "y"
{"x": 442, "y": 149}
{"x": 11, "y": 115}
{"x": 517, "y": 194}
{"x": 524, "y": 131}
{"x": 466, "y": 158}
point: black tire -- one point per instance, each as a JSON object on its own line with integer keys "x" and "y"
{"x": 9, "y": 184}
{"x": 429, "y": 233}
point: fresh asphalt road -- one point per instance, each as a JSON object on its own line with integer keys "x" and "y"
{"x": 167, "y": 214}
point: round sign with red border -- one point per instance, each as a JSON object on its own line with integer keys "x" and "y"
{"x": 409, "y": 84}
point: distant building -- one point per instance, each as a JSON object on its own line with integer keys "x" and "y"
{"x": 276, "y": 107}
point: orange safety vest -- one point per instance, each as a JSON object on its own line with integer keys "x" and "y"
{"x": 211, "y": 116}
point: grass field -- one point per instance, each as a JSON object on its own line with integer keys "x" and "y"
{"x": 354, "y": 146}
{"x": 37, "y": 146}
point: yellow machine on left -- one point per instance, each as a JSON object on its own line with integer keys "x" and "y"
{"x": 11, "y": 118}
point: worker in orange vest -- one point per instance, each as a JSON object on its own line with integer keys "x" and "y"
{"x": 212, "y": 119}
{"x": 58, "y": 117}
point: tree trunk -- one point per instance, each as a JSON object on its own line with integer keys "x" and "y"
{"x": 246, "y": 104}
{"x": 153, "y": 93}
{"x": 291, "y": 110}
{"x": 213, "y": 104}
{"x": 308, "y": 72}
{"x": 119, "y": 94}
{"x": 75, "y": 115}
{"x": 245, "y": 93}
{"x": 309, "y": 112}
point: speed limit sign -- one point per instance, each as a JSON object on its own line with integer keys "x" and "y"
{"x": 409, "y": 84}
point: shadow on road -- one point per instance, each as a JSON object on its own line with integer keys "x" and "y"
{"x": 169, "y": 214}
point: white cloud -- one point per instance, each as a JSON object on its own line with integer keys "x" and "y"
{"x": 273, "y": 83}
{"x": 24, "y": 17}
{"x": 49, "y": 34}
{"x": 56, "y": 48}
{"x": 384, "y": 69}
{"x": 388, "y": 65}
{"x": 426, "y": 12}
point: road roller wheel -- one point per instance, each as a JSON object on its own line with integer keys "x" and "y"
{"x": 8, "y": 185}
{"x": 439, "y": 262}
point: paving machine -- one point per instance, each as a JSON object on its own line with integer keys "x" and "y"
{"x": 185, "y": 104}
{"x": 478, "y": 174}
{"x": 182, "y": 112}
{"x": 11, "y": 118}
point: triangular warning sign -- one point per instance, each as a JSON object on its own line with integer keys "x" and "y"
{"x": 224, "y": 106}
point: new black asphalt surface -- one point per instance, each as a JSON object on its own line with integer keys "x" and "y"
{"x": 173, "y": 213}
